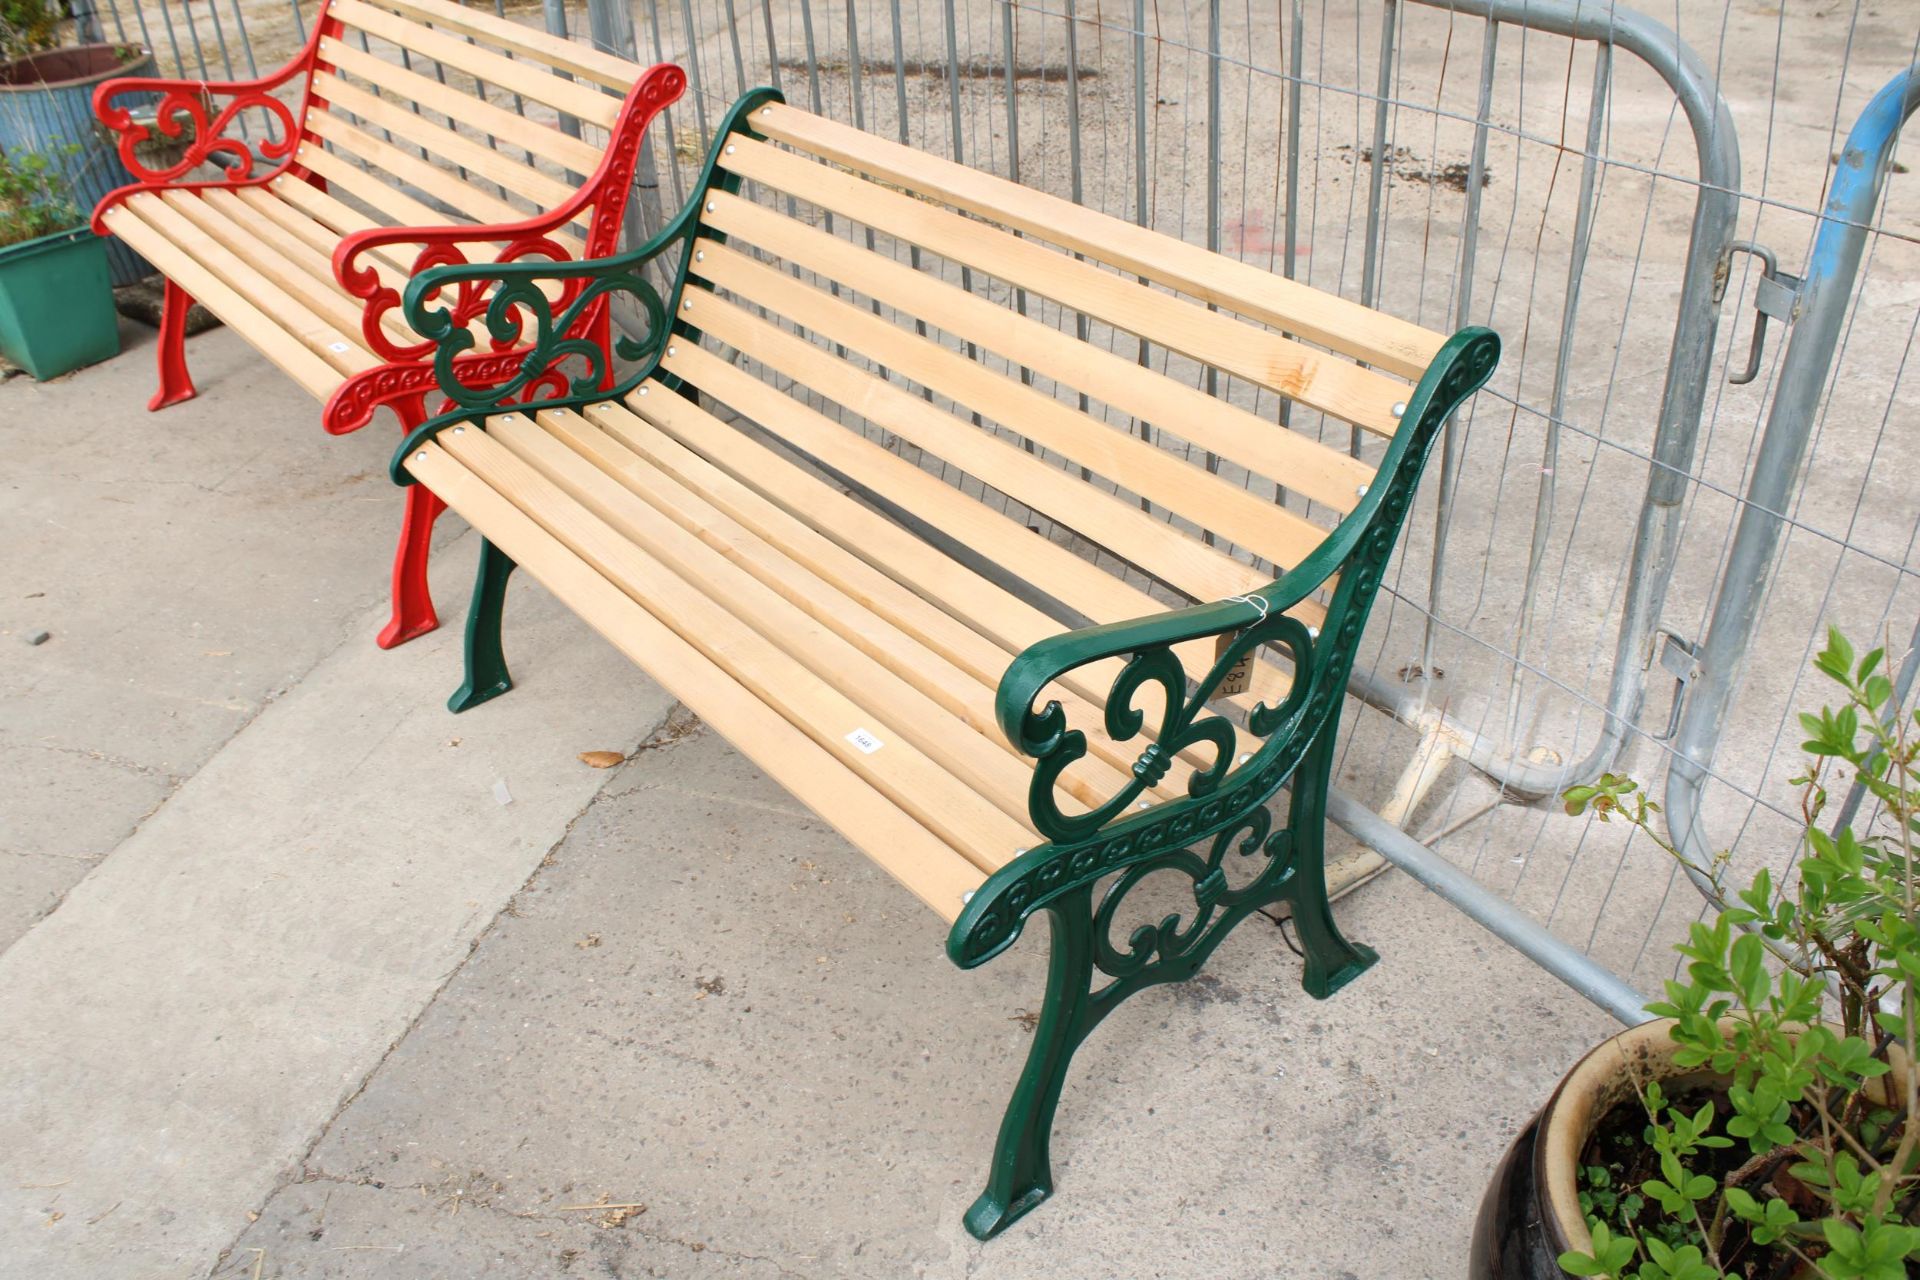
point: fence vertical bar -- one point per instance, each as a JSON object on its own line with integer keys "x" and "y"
{"x": 1859, "y": 177}
{"x": 1462, "y": 313}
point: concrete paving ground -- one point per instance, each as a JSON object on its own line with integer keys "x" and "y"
{"x": 288, "y": 991}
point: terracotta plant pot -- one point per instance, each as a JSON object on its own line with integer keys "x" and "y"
{"x": 1531, "y": 1213}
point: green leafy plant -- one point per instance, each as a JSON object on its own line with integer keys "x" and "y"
{"x": 1796, "y": 999}
{"x": 34, "y": 197}
{"x": 30, "y": 26}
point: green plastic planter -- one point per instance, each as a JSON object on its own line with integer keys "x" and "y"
{"x": 56, "y": 305}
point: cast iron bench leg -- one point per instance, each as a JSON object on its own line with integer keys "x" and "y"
{"x": 175, "y": 383}
{"x": 413, "y": 613}
{"x": 1084, "y": 951}
{"x": 486, "y": 663}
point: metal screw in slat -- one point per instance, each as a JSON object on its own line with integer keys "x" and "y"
{"x": 459, "y": 431}
{"x": 420, "y": 456}
{"x": 1360, "y": 491}
{"x": 966, "y": 897}
{"x": 687, "y": 305}
{"x": 700, "y": 255}
{"x": 1313, "y": 633}
{"x": 673, "y": 351}
{"x": 1399, "y": 406}
{"x": 709, "y": 206}
{"x": 729, "y": 148}
{"x": 643, "y": 391}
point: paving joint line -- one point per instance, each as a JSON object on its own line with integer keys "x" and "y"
{"x": 650, "y": 740}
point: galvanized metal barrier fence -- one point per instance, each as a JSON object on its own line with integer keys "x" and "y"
{"x": 1566, "y": 171}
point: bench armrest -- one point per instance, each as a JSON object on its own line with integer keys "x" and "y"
{"x": 550, "y": 312}
{"x": 1226, "y": 795}
{"x": 182, "y": 113}
{"x": 532, "y": 241}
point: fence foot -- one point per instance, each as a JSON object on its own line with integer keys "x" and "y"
{"x": 486, "y": 662}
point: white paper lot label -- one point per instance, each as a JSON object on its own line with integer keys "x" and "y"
{"x": 865, "y": 740}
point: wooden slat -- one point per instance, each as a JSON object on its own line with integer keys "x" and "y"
{"x": 931, "y": 869}
{"x": 1301, "y": 464}
{"x": 315, "y": 375}
{"x": 582, "y": 60}
{"x": 539, "y": 190}
{"x": 1011, "y": 622}
{"x": 526, "y": 80}
{"x": 287, "y": 262}
{"x": 945, "y": 718}
{"x": 1360, "y": 332}
{"x": 786, "y": 569}
{"x": 469, "y": 109}
{"x": 423, "y": 175}
{"x": 294, "y": 204}
{"x": 926, "y": 790}
{"x": 1325, "y": 382}
{"x": 972, "y": 622}
{"x": 1121, "y": 527}
{"x": 721, "y": 501}
{"x": 379, "y": 193}
{"x": 1077, "y": 583}
{"x": 1188, "y": 490}
{"x": 339, "y": 348}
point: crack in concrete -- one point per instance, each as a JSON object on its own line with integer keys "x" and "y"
{"x": 659, "y": 735}
{"x": 582, "y": 1219}
{"x": 172, "y": 779}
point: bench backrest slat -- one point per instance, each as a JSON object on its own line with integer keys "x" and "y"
{"x": 399, "y": 208}
{"x": 1347, "y": 327}
{"x": 584, "y": 61}
{"x": 1291, "y": 368}
{"x": 1078, "y": 583}
{"x": 527, "y": 79}
{"x": 1324, "y": 475}
{"x": 538, "y": 189}
{"x": 509, "y": 127}
{"x": 465, "y": 198}
{"x": 1183, "y": 487}
{"x": 1110, "y": 521}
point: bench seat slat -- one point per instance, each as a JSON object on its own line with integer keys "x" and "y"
{"x": 293, "y": 358}
{"x": 1078, "y": 584}
{"x": 876, "y": 577}
{"x": 929, "y": 792}
{"x": 1119, "y": 526}
{"x": 538, "y": 189}
{"x": 273, "y": 204}
{"x": 945, "y": 713}
{"x": 1403, "y": 348}
{"x": 1300, "y": 464}
{"x": 339, "y": 348}
{"x": 1180, "y": 486}
{"x": 285, "y": 261}
{"x": 776, "y": 567}
{"x": 467, "y": 108}
{"x": 1325, "y": 382}
{"x": 937, "y": 874}
{"x": 526, "y": 79}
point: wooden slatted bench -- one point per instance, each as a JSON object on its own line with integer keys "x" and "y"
{"x": 360, "y": 169}
{"x": 809, "y": 505}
